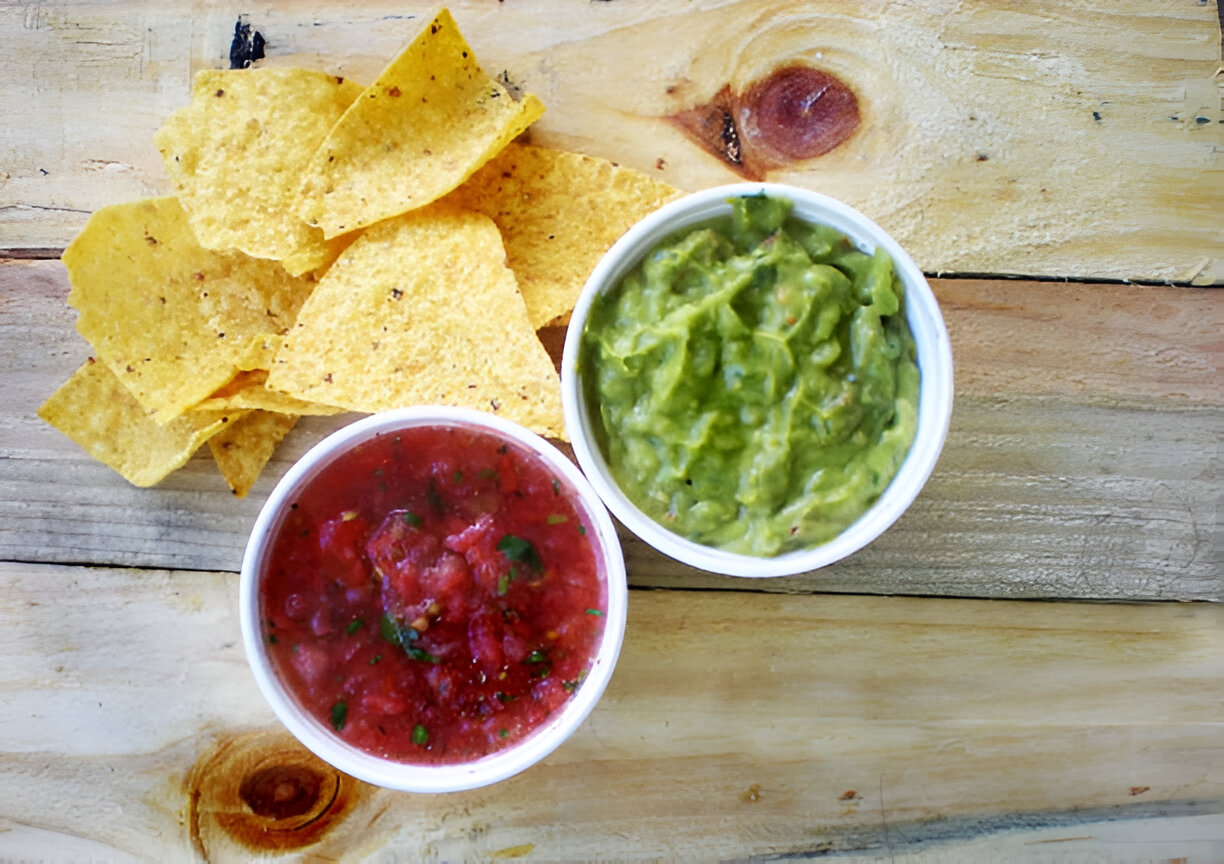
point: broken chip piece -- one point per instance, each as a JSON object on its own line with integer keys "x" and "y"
{"x": 243, "y": 448}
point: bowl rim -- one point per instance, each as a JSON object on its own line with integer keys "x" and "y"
{"x": 408, "y": 777}
{"x": 935, "y": 388}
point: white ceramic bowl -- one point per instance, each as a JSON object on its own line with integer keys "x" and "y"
{"x": 934, "y": 362}
{"x": 320, "y": 738}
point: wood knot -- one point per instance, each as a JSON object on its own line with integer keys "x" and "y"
{"x": 792, "y": 114}
{"x": 282, "y": 792}
{"x": 264, "y": 792}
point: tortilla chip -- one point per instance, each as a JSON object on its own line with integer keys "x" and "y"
{"x": 316, "y": 259}
{"x": 172, "y": 320}
{"x": 95, "y": 410}
{"x": 242, "y": 381}
{"x": 243, "y": 448}
{"x": 430, "y": 120}
{"x": 421, "y": 309}
{"x": 248, "y": 391}
{"x": 558, "y": 213}
{"x": 236, "y": 155}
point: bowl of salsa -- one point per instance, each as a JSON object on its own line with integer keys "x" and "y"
{"x": 433, "y": 599}
{"x": 757, "y": 380}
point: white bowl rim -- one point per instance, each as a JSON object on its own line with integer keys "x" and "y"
{"x": 434, "y": 778}
{"x": 935, "y": 389}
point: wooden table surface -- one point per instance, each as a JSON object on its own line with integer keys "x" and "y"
{"x": 1029, "y": 666}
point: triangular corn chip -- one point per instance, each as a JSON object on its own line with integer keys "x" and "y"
{"x": 422, "y": 310}
{"x": 237, "y": 152}
{"x": 172, "y": 320}
{"x": 430, "y": 120}
{"x": 95, "y": 410}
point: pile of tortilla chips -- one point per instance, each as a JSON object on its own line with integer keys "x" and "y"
{"x": 330, "y": 248}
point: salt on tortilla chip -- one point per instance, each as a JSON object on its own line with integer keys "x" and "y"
{"x": 248, "y": 391}
{"x": 421, "y": 309}
{"x": 243, "y": 448}
{"x": 430, "y": 120}
{"x": 237, "y": 152}
{"x": 95, "y": 410}
{"x": 172, "y": 320}
{"x": 559, "y": 213}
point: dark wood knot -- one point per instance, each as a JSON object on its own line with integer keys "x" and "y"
{"x": 794, "y": 113}
{"x": 281, "y": 792}
{"x": 265, "y": 792}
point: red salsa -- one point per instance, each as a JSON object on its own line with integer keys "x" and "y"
{"x": 432, "y": 595}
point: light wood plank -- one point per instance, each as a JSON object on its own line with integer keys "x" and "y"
{"x": 1068, "y": 140}
{"x": 788, "y": 726}
{"x": 1108, "y": 344}
{"x": 1083, "y": 459}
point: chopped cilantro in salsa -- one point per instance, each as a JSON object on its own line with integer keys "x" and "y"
{"x": 436, "y": 606}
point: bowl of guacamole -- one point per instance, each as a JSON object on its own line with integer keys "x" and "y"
{"x": 757, "y": 380}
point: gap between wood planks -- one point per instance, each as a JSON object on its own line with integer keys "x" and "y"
{"x": 35, "y": 254}
{"x": 731, "y": 586}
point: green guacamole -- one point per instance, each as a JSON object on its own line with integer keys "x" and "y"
{"x": 753, "y": 380}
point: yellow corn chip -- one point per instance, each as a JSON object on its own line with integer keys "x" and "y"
{"x": 430, "y": 120}
{"x": 95, "y": 410}
{"x": 422, "y": 310}
{"x": 316, "y": 259}
{"x": 243, "y": 448}
{"x": 558, "y": 213}
{"x": 242, "y": 381}
{"x": 172, "y": 320}
{"x": 247, "y": 391}
{"x": 236, "y": 155}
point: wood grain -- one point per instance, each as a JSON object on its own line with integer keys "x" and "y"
{"x": 788, "y": 719}
{"x": 792, "y": 726}
{"x": 1065, "y": 140}
{"x": 1083, "y": 459}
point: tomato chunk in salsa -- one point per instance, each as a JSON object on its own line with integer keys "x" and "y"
{"x": 433, "y": 595}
